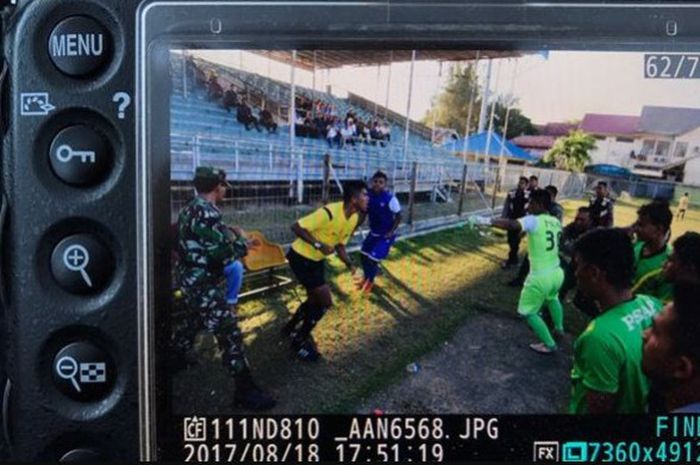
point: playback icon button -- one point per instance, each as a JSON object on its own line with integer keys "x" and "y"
{"x": 80, "y": 155}
{"x": 83, "y": 372}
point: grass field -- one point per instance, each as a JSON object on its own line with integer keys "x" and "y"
{"x": 430, "y": 287}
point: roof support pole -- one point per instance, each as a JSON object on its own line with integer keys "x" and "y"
{"x": 487, "y": 156}
{"x": 432, "y": 129}
{"x": 470, "y": 110}
{"x": 388, "y": 84}
{"x": 408, "y": 106}
{"x": 485, "y": 99}
{"x": 376, "y": 90}
{"x": 511, "y": 102}
{"x": 313, "y": 77}
{"x": 292, "y": 122}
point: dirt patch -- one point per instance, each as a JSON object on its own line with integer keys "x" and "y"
{"x": 485, "y": 368}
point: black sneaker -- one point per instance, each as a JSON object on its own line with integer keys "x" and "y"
{"x": 253, "y": 398}
{"x": 306, "y": 351}
{"x": 508, "y": 264}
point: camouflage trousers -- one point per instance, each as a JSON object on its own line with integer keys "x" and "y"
{"x": 207, "y": 309}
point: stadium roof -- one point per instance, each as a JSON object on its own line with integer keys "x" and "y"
{"x": 329, "y": 59}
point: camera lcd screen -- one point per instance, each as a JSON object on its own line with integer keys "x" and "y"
{"x": 326, "y": 221}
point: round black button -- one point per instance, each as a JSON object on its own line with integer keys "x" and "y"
{"x": 81, "y": 264}
{"x": 83, "y": 372}
{"x": 81, "y": 455}
{"x": 80, "y": 155}
{"x": 79, "y": 46}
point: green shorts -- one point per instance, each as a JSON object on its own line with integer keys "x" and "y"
{"x": 539, "y": 289}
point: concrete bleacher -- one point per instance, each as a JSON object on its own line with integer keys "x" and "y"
{"x": 204, "y": 133}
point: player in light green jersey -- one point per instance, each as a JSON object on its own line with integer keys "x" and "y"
{"x": 542, "y": 284}
{"x": 607, "y": 376}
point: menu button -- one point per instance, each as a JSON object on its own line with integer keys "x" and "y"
{"x": 79, "y": 46}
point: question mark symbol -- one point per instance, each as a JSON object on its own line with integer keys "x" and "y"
{"x": 124, "y": 100}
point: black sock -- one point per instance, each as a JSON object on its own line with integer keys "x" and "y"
{"x": 311, "y": 319}
{"x": 297, "y": 317}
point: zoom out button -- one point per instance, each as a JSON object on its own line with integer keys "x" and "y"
{"x": 83, "y": 371}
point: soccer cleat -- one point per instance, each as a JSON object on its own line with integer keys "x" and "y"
{"x": 367, "y": 287}
{"x": 543, "y": 349}
{"x": 306, "y": 351}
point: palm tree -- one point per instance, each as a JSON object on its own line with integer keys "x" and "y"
{"x": 571, "y": 153}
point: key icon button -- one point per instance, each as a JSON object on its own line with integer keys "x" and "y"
{"x": 80, "y": 155}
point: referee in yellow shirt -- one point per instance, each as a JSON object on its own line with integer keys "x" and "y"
{"x": 322, "y": 233}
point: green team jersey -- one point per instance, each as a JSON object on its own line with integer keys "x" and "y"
{"x": 608, "y": 356}
{"x": 543, "y": 234}
{"x": 649, "y": 276}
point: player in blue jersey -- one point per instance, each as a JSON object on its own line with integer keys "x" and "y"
{"x": 384, "y": 213}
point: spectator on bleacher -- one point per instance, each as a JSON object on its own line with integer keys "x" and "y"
{"x": 320, "y": 124}
{"x": 348, "y": 132}
{"x": 267, "y": 121}
{"x": 190, "y": 69}
{"x": 363, "y": 132}
{"x": 333, "y": 135}
{"x": 386, "y": 132}
{"x": 376, "y": 134}
{"x": 214, "y": 89}
{"x": 244, "y": 115}
{"x": 200, "y": 78}
{"x": 230, "y": 99}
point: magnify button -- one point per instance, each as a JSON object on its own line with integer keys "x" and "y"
{"x": 82, "y": 264}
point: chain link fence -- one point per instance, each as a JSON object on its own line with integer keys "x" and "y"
{"x": 274, "y": 185}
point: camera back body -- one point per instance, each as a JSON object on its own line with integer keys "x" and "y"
{"x": 85, "y": 160}
{"x": 69, "y": 230}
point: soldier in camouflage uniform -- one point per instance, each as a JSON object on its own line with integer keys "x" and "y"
{"x": 205, "y": 247}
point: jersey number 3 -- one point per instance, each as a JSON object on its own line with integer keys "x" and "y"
{"x": 551, "y": 240}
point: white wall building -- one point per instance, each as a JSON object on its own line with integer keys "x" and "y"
{"x": 662, "y": 142}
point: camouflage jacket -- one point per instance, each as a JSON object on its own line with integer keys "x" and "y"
{"x": 205, "y": 244}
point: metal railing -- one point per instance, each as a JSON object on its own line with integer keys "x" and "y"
{"x": 274, "y": 185}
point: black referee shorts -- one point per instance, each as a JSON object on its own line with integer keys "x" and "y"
{"x": 311, "y": 274}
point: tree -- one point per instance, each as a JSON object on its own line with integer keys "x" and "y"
{"x": 571, "y": 152}
{"x": 518, "y": 124}
{"x": 451, "y": 107}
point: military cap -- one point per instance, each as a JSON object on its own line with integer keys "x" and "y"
{"x": 209, "y": 173}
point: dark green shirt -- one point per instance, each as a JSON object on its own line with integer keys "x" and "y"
{"x": 205, "y": 244}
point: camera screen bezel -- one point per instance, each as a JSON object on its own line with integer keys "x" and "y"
{"x": 164, "y": 26}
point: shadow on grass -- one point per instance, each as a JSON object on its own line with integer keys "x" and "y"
{"x": 430, "y": 287}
